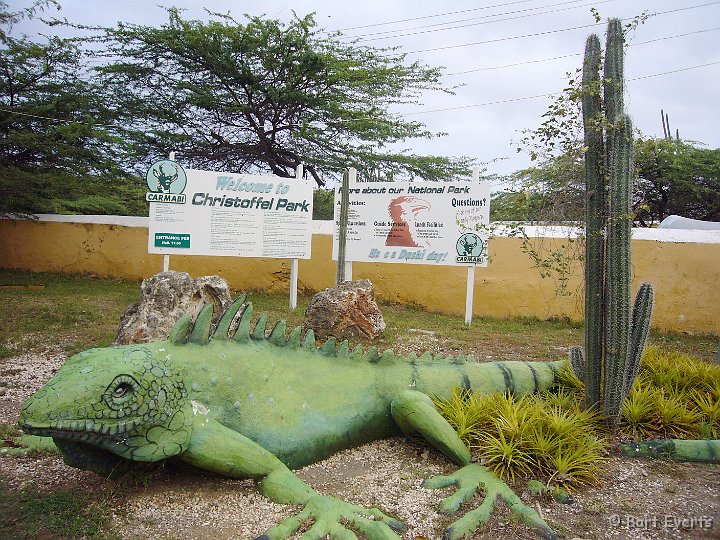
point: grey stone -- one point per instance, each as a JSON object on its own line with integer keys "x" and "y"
{"x": 164, "y": 298}
{"x": 347, "y": 311}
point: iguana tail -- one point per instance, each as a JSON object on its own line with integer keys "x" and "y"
{"x": 675, "y": 449}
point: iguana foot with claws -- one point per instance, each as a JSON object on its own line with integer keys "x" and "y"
{"x": 329, "y": 516}
{"x": 468, "y": 481}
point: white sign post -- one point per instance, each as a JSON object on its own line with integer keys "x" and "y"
{"x": 166, "y": 258}
{"x": 470, "y": 286}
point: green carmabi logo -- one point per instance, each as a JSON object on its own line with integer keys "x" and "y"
{"x": 470, "y": 249}
{"x": 166, "y": 181}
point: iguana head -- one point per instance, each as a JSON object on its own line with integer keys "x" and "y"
{"x": 126, "y": 400}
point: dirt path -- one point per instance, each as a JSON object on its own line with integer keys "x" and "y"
{"x": 637, "y": 499}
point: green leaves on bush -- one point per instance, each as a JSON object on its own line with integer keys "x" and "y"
{"x": 675, "y": 396}
{"x": 546, "y": 435}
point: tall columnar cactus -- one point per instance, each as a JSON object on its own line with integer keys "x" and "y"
{"x": 614, "y": 338}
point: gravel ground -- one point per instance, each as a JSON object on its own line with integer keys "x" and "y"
{"x": 637, "y": 499}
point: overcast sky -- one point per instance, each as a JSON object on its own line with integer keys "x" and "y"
{"x": 508, "y": 51}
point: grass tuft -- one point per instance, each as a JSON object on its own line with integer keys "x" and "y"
{"x": 31, "y": 513}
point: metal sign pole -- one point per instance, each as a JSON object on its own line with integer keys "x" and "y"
{"x": 299, "y": 173}
{"x": 469, "y": 294}
{"x": 342, "y": 228}
{"x": 352, "y": 179}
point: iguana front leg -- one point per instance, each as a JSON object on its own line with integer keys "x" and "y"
{"x": 415, "y": 413}
{"x": 217, "y": 448}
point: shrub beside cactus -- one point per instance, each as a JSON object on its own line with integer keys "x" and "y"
{"x": 614, "y": 337}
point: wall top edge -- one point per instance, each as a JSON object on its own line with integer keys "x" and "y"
{"x": 500, "y": 230}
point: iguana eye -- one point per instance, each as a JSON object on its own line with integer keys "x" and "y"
{"x": 120, "y": 392}
{"x": 122, "y": 389}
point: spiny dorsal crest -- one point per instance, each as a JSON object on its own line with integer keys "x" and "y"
{"x": 239, "y": 315}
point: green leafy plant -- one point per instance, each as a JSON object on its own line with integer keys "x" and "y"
{"x": 638, "y": 412}
{"x": 546, "y": 435}
{"x": 674, "y": 395}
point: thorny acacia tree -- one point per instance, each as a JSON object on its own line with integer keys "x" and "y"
{"x": 675, "y": 177}
{"x": 267, "y": 96}
{"x": 58, "y": 152}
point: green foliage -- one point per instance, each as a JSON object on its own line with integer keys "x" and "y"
{"x": 674, "y": 396}
{"x": 551, "y": 192}
{"x": 638, "y": 412}
{"x": 267, "y": 96}
{"x": 323, "y": 200}
{"x": 552, "y": 435}
{"x": 58, "y": 151}
{"x": 548, "y": 435}
{"x": 675, "y": 177}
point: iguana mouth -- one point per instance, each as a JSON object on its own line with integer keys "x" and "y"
{"x": 85, "y": 456}
{"x": 79, "y": 430}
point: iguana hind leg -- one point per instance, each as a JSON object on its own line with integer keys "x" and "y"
{"x": 415, "y": 413}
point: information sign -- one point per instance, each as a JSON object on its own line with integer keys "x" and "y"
{"x": 196, "y": 212}
{"x": 416, "y": 223}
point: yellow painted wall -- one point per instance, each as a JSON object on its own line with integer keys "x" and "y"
{"x": 686, "y": 275}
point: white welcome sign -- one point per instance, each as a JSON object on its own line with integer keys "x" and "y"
{"x": 197, "y": 212}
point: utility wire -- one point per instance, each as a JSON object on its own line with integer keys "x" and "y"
{"x": 19, "y": 113}
{"x": 547, "y": 32}
{"x": 410, "y": 31}
{"x": 570, "y": 55}
{"x": 436, "y": 15}
{"x": 511, "y": 100}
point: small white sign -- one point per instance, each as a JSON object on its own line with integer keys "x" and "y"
{"x": 227, "y": 214}
{"x": 416, "y": 223}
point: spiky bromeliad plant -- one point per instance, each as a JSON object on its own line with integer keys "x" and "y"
{"x": 614, "y": 338}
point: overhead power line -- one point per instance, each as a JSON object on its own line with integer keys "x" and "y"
{"x": 525, "y": 98}
{"x": 504, "y": 4}
{"x": 570, "y": 55}
{"x": 464, "y": 23}
{"x": 548, "y": 32}
{"x": 447, "y": 109}
{"x": 509, "y": 38}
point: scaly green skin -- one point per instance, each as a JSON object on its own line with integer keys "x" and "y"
{"x": 674, "y": 449}
{"x": 255, "y": 406}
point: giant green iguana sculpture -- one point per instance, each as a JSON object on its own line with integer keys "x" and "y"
{"x": 257, "y": 406}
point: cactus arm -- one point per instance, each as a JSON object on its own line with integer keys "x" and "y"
{"x": 641, "y": 314}
{"x": 577, "y": 362}
{"x": 595, "y": 221}
{"x": 614, "y": 71}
